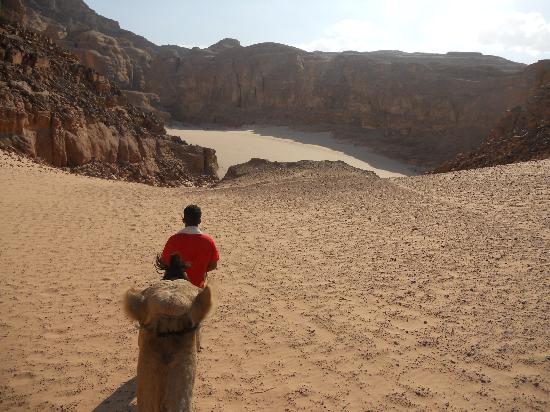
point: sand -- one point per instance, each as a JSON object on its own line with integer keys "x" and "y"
{"x": 282, "y": 144}
{"x": 341, "y": 293}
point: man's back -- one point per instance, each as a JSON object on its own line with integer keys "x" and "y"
{"x": 193, "y": 247}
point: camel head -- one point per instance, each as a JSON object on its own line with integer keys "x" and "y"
{"x": 169, "y": 306}
{"x": 169, "y": 314}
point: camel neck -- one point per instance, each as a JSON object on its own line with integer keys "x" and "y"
{"x": 174, "y": 363}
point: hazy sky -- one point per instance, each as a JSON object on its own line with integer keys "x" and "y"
{"x": 515, "y": 29}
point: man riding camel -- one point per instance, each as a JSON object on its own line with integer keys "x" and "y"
{"x": 197, "y": 251}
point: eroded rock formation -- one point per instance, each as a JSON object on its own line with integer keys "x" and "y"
{"x": 57, "y": 110}
{"x": 522, "y": 134}
{"x": 419, "y": 107}
{"x": 99, "y": 42}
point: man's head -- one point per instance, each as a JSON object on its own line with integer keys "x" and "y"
{"x": 192, "y": 215}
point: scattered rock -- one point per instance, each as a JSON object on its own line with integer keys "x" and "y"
{"x": 55, "y": 110}
{"x": 424, "y": 108}
{"x": 522, "y": 134}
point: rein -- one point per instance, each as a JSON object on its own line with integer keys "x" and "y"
{"x": 178, "y": 333}
{"x": 168, "y": 334}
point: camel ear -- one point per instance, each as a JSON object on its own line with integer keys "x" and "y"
{"x": 201, "y": 305}
{"x": 134, "y": 304}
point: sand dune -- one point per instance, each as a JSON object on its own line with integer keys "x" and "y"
{"x": 336, "y": 291}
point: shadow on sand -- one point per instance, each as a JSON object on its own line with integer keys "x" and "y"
{"x": 120, "y": 400}
{"x": 278, "y": 143}
{"x": 326, "y": 139}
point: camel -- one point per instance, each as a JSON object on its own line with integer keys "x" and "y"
{"x": 169, "y": 314}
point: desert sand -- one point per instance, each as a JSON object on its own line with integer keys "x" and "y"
{"x": 335, "y": 290}
{"x": 283, "y": 144}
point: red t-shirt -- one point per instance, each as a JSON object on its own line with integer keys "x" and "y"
{"x": 198, "y": 249}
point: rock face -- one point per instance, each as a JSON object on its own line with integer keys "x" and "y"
{"x": 418, "y": 107}
{"x": 149, "y": 102}
{"x": 99, "y": 42}
{"x": 68, "y": 115}
{"x": 256, "y": 167}
{"x": 522, "y": 134}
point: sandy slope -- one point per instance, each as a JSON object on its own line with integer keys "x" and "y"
{"x": 335, "y": 292}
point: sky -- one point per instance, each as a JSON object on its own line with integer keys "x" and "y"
{"x": 515, "y": 29}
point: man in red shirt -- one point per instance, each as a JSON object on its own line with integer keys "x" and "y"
{"x": 193, "y": 247}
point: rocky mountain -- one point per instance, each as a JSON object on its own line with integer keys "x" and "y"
{"x": 522, "y": 134}
{"x": 99, "y": 42}
{"x": 120, "y": 55}
{"x": 419, "y": 107}
{"x": 55, "y": 109}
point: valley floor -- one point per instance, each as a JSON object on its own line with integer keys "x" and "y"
{"x": 282, "y": 144}
{"x": 336, "y": 290}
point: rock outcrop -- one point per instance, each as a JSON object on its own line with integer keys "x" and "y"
{"x": 522, "y": 134}
{"x": 99, "y": 42}
{"x": 150, "y": 102}
{"x": 419, "y": 107}
{"x": 256, "y": 167}
{"x": 54, "y": 109}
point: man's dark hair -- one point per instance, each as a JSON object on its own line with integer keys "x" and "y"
{"x": 192, "y": 215}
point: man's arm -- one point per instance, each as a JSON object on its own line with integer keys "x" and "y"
{"x": 213, "y": 264}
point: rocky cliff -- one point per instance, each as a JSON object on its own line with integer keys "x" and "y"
{"x": 120, "y": 55}
{"x": 522, "y": 134}
{"x": 54, "y": 109}
{"x": 419, "y": 107}
{"x": 99, "y": 42}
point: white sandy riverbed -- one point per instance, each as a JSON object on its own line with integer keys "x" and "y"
{"x": 286, "y": 145}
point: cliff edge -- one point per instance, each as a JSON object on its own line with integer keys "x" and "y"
{"x": 522, "y": 134}
{"x": 54, "y": 109}
{"x": 422, "y": 108}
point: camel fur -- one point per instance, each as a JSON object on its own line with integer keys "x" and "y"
{"x": 169, "y": 314}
